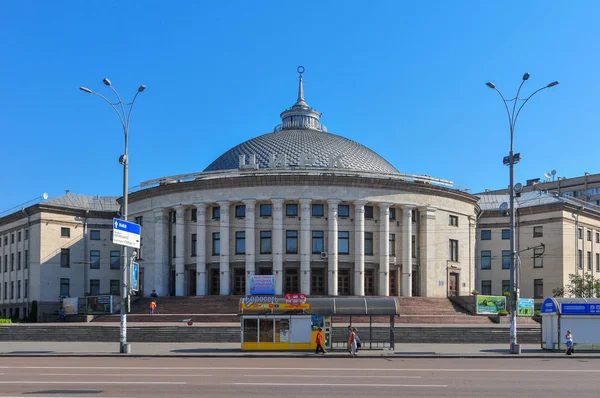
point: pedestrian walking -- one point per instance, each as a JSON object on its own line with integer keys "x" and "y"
{"x": 153, "y": 308}
{"x": 320, "y": 342}
{"x": 62, "y": 314}
{"x": 348, "y": 333}
{"x": 353, "y": 343}
{"x": 569, "y": 338}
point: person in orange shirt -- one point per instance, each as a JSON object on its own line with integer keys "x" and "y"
{"x": 320, "y": 341}
{"x": 153, "y": 308}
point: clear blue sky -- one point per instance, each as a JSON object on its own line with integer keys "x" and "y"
{"x": 407, "y": 79}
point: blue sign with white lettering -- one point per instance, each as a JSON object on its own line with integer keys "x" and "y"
{"x": 126, "y": 226}
{"x": 549, "y": 306}
{"x": 580, "y": 309}
{"x": 135, "y": 277}
{"x": 126, "y": 233}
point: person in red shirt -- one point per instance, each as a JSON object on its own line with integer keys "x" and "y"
{"x": 320, "y": 341}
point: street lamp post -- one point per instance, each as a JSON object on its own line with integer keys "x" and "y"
{"x": 510, "y": 160}
{"x": 124, "y": 160}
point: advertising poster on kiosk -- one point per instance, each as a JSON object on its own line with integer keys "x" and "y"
{"x": 262, "y": 284}
{"x": 490, "y": 304}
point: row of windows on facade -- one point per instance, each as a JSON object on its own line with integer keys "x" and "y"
{"x": 12, "y": 237}
{"x": 95, "y": 259}
{"x": 582, "y": 192}
{"x": 95, "y": 235}
{"x": 65, "y": 287}
{"x": 538, "y": 260}
{"x": 4, "y": 293}
{"x": 4, "y": 265}
{"x": 538, "y": 288}
{"x": 14, "y": 312}
{"x": 538, "y": 232}
{"x": 589, "y": 260}
{"x": 318, "y": 244}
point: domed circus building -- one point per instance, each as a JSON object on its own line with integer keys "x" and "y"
{"x": 321, "y": 213}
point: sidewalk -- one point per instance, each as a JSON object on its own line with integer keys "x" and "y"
{"x": 232, "y": 350}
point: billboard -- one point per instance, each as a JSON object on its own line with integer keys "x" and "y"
{"x": 525, "y": 307}
{"x": 490, "y": 304}
{"x": 262, "y": 284}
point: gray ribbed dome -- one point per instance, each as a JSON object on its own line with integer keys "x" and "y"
{"x": 293, "y": 143}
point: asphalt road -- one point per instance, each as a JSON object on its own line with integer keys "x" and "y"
{"x": 301, "y": 377}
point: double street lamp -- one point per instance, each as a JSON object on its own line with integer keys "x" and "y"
{"x": 511, "y": 160}
{"x": 124, "y": 118}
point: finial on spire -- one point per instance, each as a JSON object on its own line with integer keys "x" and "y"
{"x": 300, "y": 100}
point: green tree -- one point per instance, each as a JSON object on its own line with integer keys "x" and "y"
{"x": 579, "y": 286}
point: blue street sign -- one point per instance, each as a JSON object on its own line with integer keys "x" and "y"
{"x": 583, "y": 308}
{"x": 126, "y": 233}
{"x": 135, "y": 277}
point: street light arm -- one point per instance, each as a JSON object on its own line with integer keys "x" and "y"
{"x": 515, "y": 103}
{"x": 507, "y": 110}
{"x": 125, "y": 125}
{"x": 112, "y": 106}
{"x": 131, "y": 107}
{"x": 527, "y": 99}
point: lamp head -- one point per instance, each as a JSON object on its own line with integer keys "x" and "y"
{"x": 141, "y": 88}
{"x": 85, "y": 89}
{"x": 525, "y": 76}
{"x": 106, "y": 81}
{"x": 555, "y": 83}
{"x": 490, "y": 85}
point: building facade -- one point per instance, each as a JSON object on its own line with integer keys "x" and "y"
{"x": 568, "y": 229}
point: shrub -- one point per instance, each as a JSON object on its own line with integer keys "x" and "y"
{"x": 537, "y": 313}
{"x": 502, "y": 312}
{"x": 475, "y": 292}
{"x": 506, "y": 294}
{"x": 5, "y": 320}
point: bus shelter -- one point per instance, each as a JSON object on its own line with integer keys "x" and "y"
{"x": 579, "y": 315}
{"x": 276, "y": 324}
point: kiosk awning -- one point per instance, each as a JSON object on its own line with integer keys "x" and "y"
{"x": 370, "y": 306}
{"x": 571, "y": 306}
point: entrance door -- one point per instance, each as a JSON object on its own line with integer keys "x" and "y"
{"x": 416, "y": 291}
{"x": 343, "y": 282}
{"x": 369, "y": 282}
{"x": 393, "y": 283}
{"x": 239, "y": 282}
{"x": 317, "y": 281}
{"x": 453, "y": 284}
{"x": 291, "y": 283}
{"x": 215, "y": 282}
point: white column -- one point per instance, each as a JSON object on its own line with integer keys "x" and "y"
{"x": 406, "y": 279}
{"x": 359, "y": 248}
{"x": 332, "y": 237}
{"x": 179, "y": 250}
{"x": 305, "y": 246}
{"x": 161, "y": 265}
{"x": 384, "y": 249}
{"x": 224, "y": 236}
{"x": 250, "y": 242}
{"x": 278, "y": 244}
{"x": 429, "y": 277}
{"x": 201, "y": 249}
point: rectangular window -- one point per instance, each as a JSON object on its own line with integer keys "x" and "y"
{"x": 12, "y": 261}
{"x": 95, "y": 259}
{"x": 240, "y": 242}
{"x": 95, "y": 287}
{"x": 597, "y": 262}
{"x": 344, "y": 210}
{"x": 392, "y": 214}
{"x": 240, "y": 211}
{"x": 589, "y": 235}
{"x": 505, "y": 259}
{"x": 19, "y": 236}
{"x": 26, "y": 234}
{"x": 5, "y": 290}
{"x": 505, "y": 286}
{"x": 413, "y": 246}
{"x": 26, "y": 263}
{"x": 5, "y": 240}
{"x": 344, "y": 242}
{"x": 413, "y": 215}
{"x": 505, "y": 234}
{"x": 65, "y": 290}
{"x": 26, "y": 288}
{"x": 486, "y": 234}
{"x": 538, "y": 288}
{"x": 579, "y": 233}
{"x": 579, "y": 259}
{"x": 318, "y": 210}
{"x": 65, "y": 258}
{"x": 538, "y": 259}
{"x": 18, "y": 261}
{"x": 194, "y": 215}
{"x": 5, "y": 263}
{"x": 538, "y": 232}
{"x": 115, "y": 259}
{"x": 369, "y": 212}
{"x": 486, "y": 259}
{"x": 597, "y": 237}
{"x": 291, "y": 242}
{"x": 139, "y": 220}
{"x": 114, "y": 287}
{"x": 250, "y": 330}
{"x": 453, "y": 221}
{"x": 174, "y": 247}
{"x": 194, "y": 244}
{"x": 318, "y": 238}
{"x": 266, "y": 210}
{"x": 589, "y": 261}
{"x": 265, "y": 242}
{"x": 18, "y": 289}
{"x": 369, "y": 243}
{"x": 12, "y": 238}
{"x": 216, "y": 243}
{"x": 173, "y": 217}
{"x": 392, "y": 244}
{"x": 486, "y": 288}
{"x": 65, "y": 232}
{"x": 453, "y": 250}
{"x": 12, "y": 290}
{"x": 216, "y": 212}
{"x": 95, "y": 234}
{"x": 291, "y": 210}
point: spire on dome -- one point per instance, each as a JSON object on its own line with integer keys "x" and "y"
{"x": 300, "y": 100}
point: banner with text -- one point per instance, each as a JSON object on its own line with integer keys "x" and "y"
{"x": 262, "y": 284}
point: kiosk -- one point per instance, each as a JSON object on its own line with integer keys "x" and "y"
{"x": 276, "y": 324}
{"x": 579, "y": 315}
